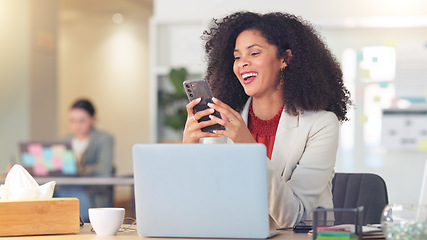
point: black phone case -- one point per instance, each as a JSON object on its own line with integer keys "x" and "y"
{"x": 200, "y": 88}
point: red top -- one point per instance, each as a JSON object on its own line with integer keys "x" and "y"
{"x": 264, "y": 131}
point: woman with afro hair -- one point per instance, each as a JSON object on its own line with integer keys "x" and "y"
{"x": 275, "y": 82}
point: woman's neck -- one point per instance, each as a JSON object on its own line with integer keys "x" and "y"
{"x": 268, "y": 107}
{"x": 82, "y": 137}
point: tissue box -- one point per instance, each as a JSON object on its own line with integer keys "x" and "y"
{"x": 39, "y": 216}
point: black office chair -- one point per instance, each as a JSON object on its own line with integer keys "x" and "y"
{"x": 351, "y": 190}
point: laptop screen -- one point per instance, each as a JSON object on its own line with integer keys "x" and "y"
{"x": 48, "y": 158}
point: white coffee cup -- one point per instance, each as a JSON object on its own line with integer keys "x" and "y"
{"x": 106, "y": 221}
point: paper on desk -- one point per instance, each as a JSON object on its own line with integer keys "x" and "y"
{"x": 20, "y": 185}
{"x": 369, "y": 230}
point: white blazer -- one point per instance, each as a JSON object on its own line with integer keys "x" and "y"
{"x": 302, "y": 164}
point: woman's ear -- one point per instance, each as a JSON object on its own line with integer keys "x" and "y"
{"x": 93, "y": 120}
{"x": 287, "y": 56}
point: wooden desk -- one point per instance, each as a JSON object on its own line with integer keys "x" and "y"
{"x": 112, "y": 181}
{"x": 86, "y": 233}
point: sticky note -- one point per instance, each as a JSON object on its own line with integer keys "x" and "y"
{"x": 56, "y": 163}
{"x": 377, "y": 99}
{"x": 57, "y": 150}
{"x": 47, "y": 154}
{"x": 383, "y": 84}
{"x": 68, "y": 156}
{"x": 422, "y": 145}
{"x": 35, "y": 149}
{"x": 363, "y": 118}
{"x": 49, "y": 165}
{"x": 365, "y": 73}
{"x": 415, "y": 99}
{"x": 68, "y": 163}
{"x": 359, "y": 56}
{"x": 39, "y": 169}
{"x": 27, "y": 159}
{"x": 390, "y": 43}
{"x": 69, "y": 168}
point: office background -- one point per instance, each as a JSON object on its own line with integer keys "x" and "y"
{"x": 118, "y": 53}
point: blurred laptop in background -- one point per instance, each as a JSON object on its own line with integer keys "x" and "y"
{"x": 42, "y": 159}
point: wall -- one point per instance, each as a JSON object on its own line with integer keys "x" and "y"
{"x": 43, "y": 83}
{"x": 335, "y": 10}
{"x": 107, "y": 63}
{"x": 28, "y": 77}
{"x": 14, "y": 77}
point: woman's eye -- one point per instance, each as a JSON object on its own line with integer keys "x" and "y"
{"x": 236, "y": 58}
{"x": 255, "y": 53}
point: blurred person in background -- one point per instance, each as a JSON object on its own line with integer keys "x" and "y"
{"x": 94, "y": 151}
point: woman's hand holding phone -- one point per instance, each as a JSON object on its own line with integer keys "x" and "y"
{"x": 193, "y": 128}
{"x": 199, "y": 88}
{"x": 237, "y": 130}
{"x": 199, "y": 123}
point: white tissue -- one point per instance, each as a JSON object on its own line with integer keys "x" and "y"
{"x": 20, "y": 185}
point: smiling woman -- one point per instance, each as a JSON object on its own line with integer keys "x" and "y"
{"x": 276, "y": 83}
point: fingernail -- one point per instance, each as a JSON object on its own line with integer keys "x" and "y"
{"x": 210, "y": 116}
{"x": 210, "y": 105}
{"x": 214, "y": 131}
{"x": 214, "y": 100}
{"x": 198, "y": 99}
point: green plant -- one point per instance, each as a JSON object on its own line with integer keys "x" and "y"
{"x": 173, "y": 102}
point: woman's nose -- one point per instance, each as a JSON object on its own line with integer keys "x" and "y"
{"x": 243, "y": 62}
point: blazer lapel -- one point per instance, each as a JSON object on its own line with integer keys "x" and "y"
{"x": 245, "y": 111}
{"x": 286, "y": 138}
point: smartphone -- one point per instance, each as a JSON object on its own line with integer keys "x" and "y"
{"x": 200, "y": 89}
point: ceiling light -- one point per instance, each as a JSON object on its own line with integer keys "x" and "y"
{"x": 117, "y": 18}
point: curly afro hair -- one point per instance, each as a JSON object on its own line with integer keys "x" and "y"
{"x": 312, "y": 80}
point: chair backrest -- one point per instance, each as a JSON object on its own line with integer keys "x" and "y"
{"x": 350, "y": 190}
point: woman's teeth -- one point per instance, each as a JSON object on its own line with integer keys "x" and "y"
{"x": 248, "y": 75}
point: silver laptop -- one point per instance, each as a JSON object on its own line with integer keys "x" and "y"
{"x": 201, "y": 190}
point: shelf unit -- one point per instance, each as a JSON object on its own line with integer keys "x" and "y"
{"x": 173, "y": 44}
